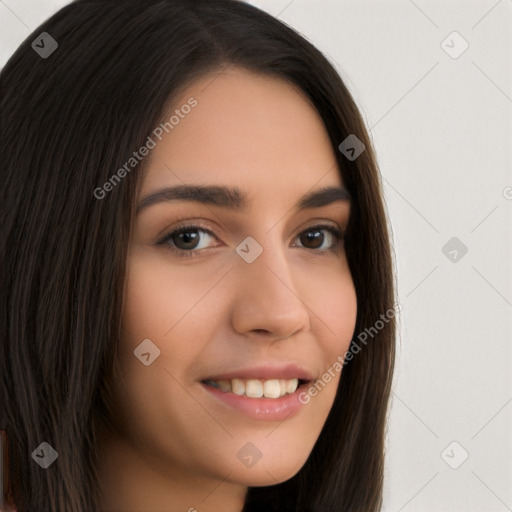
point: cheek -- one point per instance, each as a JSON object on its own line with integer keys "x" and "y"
{"x": 151, "y": 309}
{"x": 335, "y": 312}
{"x": 160, "y": 298}
{"x": 167, "y": 306}
{"x": 333, "y": 315}
{"x": 158, "y": 307}
{"x": 150, "y": 299}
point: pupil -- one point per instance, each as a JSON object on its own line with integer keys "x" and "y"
{"x": 189, "y": 239}
{"x": 313, "y": 236}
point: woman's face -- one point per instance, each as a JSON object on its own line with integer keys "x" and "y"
{"x": 256, "y": 294}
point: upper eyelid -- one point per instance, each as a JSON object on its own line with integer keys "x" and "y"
{"x": 336, "y": 213}
{"x": 191, "y": 224}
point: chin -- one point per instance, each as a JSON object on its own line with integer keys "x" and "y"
{"x": 263, "y": 479}
{"x": 270, "y": 473}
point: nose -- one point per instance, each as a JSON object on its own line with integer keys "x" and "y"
{"x": 266, "y": 301}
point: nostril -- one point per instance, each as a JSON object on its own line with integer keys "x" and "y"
{"x": 260, "y": 331}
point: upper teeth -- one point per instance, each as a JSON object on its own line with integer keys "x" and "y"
{"x": 254, "y": 388}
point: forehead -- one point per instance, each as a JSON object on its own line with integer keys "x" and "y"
{"x": 256, "y": 132}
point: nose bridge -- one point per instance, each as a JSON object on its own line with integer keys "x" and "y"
{"x": 266, "y": 295}
{"x": 265, "y": 261}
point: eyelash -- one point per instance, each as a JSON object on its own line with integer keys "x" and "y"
{"x": 337, "y": 233}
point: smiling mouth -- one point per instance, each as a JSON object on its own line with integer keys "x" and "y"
{"x": 257, "y": 388}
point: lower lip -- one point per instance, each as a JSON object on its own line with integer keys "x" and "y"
{"x": 269, "y": 409}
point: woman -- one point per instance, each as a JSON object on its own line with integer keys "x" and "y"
{"x": 193, "y": 242}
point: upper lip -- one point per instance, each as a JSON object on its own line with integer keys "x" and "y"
{"x": 264, "y": 372}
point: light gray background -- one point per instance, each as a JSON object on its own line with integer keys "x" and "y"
{"x": 443, "y": 134}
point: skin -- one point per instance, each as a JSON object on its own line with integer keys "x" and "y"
{"x": 176, "y": 446}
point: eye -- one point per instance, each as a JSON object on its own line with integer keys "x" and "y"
{"x": 313, "y": 238}
{"x": 186, "y": 241}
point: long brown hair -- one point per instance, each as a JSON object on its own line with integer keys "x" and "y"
{"x": 68, "y": 122}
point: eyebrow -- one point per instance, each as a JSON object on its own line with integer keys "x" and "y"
{"x": 235, "y": 199}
